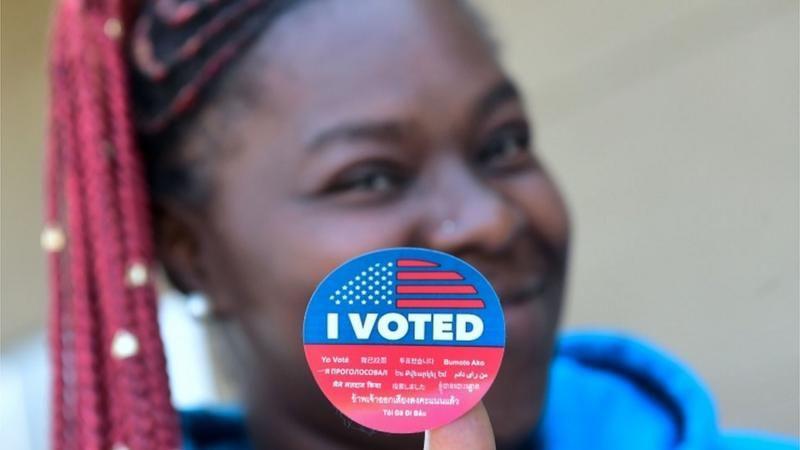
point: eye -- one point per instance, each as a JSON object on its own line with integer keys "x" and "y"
{"x": 373, "y": 180}
{"x": 508, "y": 148}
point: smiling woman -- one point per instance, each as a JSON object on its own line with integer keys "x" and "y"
{"x": 278, "y": 140}
{"x": 382, "y": 157}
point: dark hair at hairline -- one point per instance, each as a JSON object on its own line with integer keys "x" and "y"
{"x": 170, "y": 174}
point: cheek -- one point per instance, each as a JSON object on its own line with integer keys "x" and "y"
{"x": 275, "y": 249}
{"x": 287, "y": 254}
{"x": 323, "y": 239}
{"x": 543, "y": 206}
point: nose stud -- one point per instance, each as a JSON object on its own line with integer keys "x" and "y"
{"x": 448, "y": 226}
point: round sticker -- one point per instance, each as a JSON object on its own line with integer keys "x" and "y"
{"x": 404, "y": 340}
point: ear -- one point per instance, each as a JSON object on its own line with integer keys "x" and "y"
{"x": 189, "y": 253}
{"x": 177, "y": 247}
{"x": 185, "y": 251}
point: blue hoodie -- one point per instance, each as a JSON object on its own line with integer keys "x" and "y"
{"x": 607, "y": 391}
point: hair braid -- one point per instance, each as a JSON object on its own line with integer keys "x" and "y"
{"x": 111, "y": 264}
{"x": 135, "y": 219}
{"x": 117, "y": 351}
{"x": 54, "y": 174}
{"x": 84, "y": 380}
{"x": 110, "y": 385}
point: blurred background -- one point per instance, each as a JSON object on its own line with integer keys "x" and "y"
{"x": 672, "y": 127}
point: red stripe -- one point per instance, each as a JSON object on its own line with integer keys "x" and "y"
{"x": 436, "y": 289}
{"x": 415, "y": 263}
{"x": 429, "y": 276}
{"x": 440, "y": 303}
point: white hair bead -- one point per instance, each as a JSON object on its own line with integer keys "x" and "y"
{"x": 124, "y": 345}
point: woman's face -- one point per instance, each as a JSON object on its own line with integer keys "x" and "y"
{"x": 346, "y": 130}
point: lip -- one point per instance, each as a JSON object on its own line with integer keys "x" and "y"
{"x": 531, "y": 288}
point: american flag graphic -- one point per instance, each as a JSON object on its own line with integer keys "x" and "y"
{"x": 408, "y": 283}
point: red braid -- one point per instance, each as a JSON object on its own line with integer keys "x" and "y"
{"x": 53, "y": 238}
{"x": 138, "y": 245}
{"x": 109, "y": 374}
{"x": 110, "y": 386}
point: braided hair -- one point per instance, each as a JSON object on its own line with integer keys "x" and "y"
{"x": 125, "y": 80}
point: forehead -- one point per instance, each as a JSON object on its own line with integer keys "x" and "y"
{"x": 329, "y": 57}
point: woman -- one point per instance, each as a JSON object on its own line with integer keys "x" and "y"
{"x": 270, "y": 141}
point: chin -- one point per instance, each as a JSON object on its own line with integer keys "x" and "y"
{"x": 515, "y": 412}
{"x": 516, "y": 398}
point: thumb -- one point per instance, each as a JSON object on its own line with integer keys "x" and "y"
{"x": 472, "y": 431}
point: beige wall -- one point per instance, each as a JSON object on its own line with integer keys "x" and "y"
{"x": 673, "y": 128}
{"x": 22, "y": 75}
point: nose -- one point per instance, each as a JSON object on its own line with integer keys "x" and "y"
{"x": 466, "y": 214}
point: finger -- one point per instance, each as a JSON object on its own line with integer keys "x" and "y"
{"x": 472, "y": 431}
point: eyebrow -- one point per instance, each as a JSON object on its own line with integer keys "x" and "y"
{"x": 502, "y": 92}
{"x": 392, "y": 131}
{"x": 382, "y": 130}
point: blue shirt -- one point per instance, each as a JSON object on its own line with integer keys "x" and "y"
{"x": 607, "y": 391}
